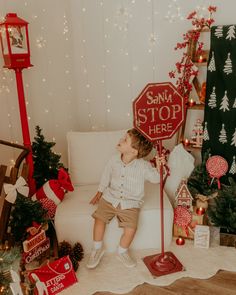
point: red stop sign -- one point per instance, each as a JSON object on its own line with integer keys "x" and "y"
{"x": 158, "y": 111}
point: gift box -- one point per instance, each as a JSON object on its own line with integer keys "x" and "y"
{"x": 202, "y": 236}
{"x": 53, "y": 277}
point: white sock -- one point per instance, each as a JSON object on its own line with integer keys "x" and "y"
{"x": 122, "y": 250}
{"x": 97, "y": 245}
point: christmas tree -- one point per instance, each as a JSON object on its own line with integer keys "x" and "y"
{"x": 205, "y": 132}
{"x": 24, "y": 212}
{"x": 231, "y": 33}
{"x": 212, "y": 66}
{"x": 219, "y": 32}
{"x": 233, "y": 166}
{"x": 228, "y": 65}
{"x": 234, "y": 105}
{"x": 212, "y": 100}
{"x": 197, "y": 136}
{"x": 233, "y": 141}
{"x": 224, "y": 103}
{"x": 46, "y": 162}
{"x": 222, "y": 212}
{"x": 223, "y": 135}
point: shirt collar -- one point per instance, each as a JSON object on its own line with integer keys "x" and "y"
{"x": 129, "y": 164}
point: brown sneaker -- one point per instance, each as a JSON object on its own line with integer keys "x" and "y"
{"x": 126, "y": 259}
{"x": 95, "y": 257}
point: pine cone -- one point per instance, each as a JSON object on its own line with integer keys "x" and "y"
{"x": 78, "y": 251}
{"x": 64, "y": 249}
{"x": 74, "y": 262}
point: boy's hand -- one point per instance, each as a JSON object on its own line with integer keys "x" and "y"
{"x": 160, "y": 160}
{"x": 96, "y": 198}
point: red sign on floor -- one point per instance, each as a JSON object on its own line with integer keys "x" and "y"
{"x": 158, "y": 111}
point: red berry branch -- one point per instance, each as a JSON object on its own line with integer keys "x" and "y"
{"x": 185, "y": 69}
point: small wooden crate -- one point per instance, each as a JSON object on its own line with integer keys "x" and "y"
{"x": 227, "y": 239}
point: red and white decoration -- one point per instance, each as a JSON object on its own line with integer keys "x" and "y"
{"x": 197, "y": 134}
{"x": 183, "y": 196}
{"x": 36, "y": 243}
{"x": 182, "y": 218}
{"x": 216, "y": 166}
{"x": 53, "y": 192}
{"x": 53, "y": 277}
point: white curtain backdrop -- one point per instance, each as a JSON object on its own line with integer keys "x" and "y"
{"x": 91, "y": 60}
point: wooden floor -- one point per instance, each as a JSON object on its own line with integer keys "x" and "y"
{"x": 222, "y": 283}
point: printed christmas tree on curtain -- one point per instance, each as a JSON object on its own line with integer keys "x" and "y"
{"x": 220, "y": 110}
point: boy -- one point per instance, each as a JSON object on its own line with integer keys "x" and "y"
{"x": 120, "y": 194}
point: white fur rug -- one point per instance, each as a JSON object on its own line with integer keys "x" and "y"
{"x": 112, "y": 276}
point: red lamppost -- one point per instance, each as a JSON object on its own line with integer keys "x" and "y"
{"x": 16, "y": 54}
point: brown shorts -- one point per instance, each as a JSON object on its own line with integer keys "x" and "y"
{"x": 125, "y": 217}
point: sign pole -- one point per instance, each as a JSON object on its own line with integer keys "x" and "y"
{"x": 158, "y": 113}
{"x": 161, "y": 201}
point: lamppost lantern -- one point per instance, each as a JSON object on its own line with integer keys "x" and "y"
{"x": 16, "y": 55}
{"x": 15, "y": 42}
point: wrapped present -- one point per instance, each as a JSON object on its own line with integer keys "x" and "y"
{"x": 202, "y": 236}
{"x": 53, "y": 277}
{"x": 187, "y": 231}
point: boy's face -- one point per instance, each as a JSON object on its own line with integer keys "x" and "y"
{"x": 124, "y": 145}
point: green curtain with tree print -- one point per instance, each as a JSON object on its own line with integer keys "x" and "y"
{"x": 220, "y": 109}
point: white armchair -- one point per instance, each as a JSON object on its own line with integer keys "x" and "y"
{"x": 88, "y": 154}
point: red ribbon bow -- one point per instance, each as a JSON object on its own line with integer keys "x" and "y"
{"x": 64, "y": 180}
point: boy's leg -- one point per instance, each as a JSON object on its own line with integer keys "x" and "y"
{"x": 98, "y": 250}
{"x": 127, "y": 237}
{"x": 128, "y": 219}
{"x": 103, "y": 215}
{"x": 125, "y": 241}
{"x": 98, "y": 230}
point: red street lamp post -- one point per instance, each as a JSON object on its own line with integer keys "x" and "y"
{"x": 16, "y": 54}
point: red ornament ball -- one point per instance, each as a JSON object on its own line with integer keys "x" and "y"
{"x": 180, "y": 241}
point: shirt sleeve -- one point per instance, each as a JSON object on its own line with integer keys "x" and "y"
{"x": 150, "y": 173}
{"x": 106, "y": 177}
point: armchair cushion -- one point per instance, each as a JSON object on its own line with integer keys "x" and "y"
{"x": 88, "y": 153}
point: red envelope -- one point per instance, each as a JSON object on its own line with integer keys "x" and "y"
{"x": 53, "y": 277}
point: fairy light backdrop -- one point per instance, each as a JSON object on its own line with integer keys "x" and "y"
{"x": 91, "y": 59}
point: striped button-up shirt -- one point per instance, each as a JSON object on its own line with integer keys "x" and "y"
{"x": 124, "y": 183}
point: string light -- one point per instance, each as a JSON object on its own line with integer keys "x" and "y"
{"x": 118, "y": 22}
{"x": 152, "y": 40}
{"x": 174, "y": 12}
{"x": 122, "y": 19}
{"x": 40, "y": 42}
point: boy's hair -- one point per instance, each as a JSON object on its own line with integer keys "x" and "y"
{"x": 140, "y": 143}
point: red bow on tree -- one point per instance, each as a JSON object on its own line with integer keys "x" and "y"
{"x": 64, "y": 180}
